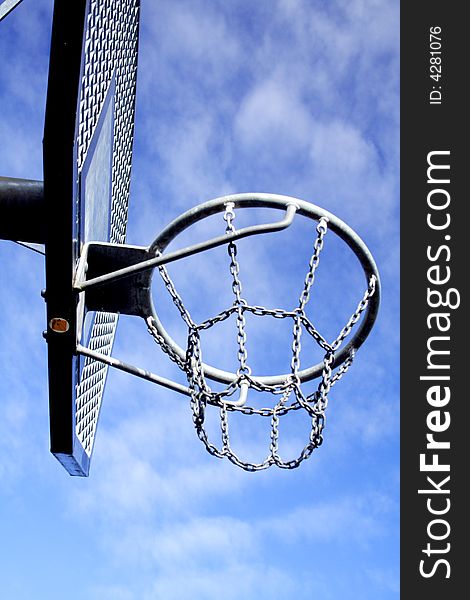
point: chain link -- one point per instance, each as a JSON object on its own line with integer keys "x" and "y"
{"x": 159, "y": 339}
{"x": 239, "y": 303}
{"x": 175, "y": 296}
{"x": 357, "y": 313}
{"x": 291, "y": 397}
{"x": 322, "y": 228}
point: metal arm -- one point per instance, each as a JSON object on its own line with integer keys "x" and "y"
{"x": 137, "y": 371}
{"x": 191, "y": 250}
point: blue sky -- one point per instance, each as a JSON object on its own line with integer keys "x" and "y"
{"x": 284, "y": 96}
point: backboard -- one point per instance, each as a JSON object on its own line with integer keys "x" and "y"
{"x": 88, "y": 140}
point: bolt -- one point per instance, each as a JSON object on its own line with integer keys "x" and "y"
{"x": 59, "y": 325}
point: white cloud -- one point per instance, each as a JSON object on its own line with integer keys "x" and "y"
{"x": 361, "y": 516}
{"x": 223, "y": 539}
{"x": 112, "y": 592}
{"x": 340, "y": 146}
{"x": 152, "y": 463}
{"x": 385, "y": 579}
{"x": 230, "y": 582}
{"x": 198, "y": 36}
{"x": 273, "y": 116}
{"x": 186, "y": 149}
{"x": 233, "y": 554}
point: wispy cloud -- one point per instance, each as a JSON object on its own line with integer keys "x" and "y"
{"x": 231, "y": 554}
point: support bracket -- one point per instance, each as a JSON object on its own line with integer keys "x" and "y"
{"x": 129, "y": 296}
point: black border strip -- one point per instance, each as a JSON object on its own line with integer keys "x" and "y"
{"x": 433, "y": 119}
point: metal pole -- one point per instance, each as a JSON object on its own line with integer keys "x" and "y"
{"x": 22, "y": 214}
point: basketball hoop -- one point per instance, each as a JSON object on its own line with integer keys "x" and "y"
{"x": 286, "y": 388}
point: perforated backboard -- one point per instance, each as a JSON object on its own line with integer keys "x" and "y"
{"x": 88, "y": 141}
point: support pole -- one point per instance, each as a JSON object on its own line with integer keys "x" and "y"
{"x": 22, "y": 214}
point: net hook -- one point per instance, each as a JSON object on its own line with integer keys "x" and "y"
{"x": 242, "y": 398}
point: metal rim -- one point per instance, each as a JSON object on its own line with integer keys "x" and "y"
{"x": 306, "y": 209}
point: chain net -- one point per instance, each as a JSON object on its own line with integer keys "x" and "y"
{"x": 289, "y": 395}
